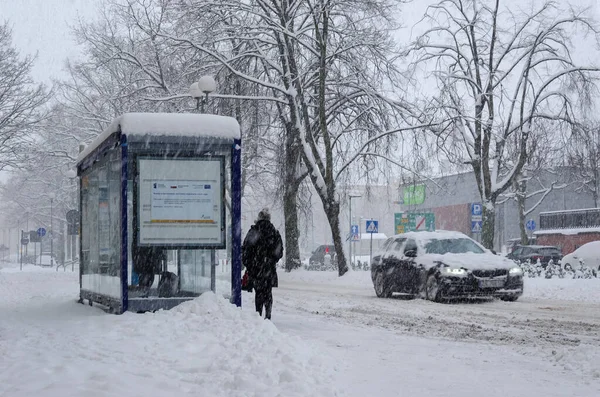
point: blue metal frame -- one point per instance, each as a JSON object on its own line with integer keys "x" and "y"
{"x": 124, "y": 275}
{"x": 236, "y": 222}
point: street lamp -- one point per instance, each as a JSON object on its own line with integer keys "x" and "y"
{"x": 52, "y": 196}
{"x": 350, "y": 197}
{"x": 201, "y": 89}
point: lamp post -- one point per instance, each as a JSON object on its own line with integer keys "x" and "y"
{"x": 201, "y": 89}
{"x": 72, "y": 175}
{"x": 52, "y": 196}
{"x": 350, "y": 197}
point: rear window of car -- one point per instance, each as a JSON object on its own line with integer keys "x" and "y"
{"x": 548, "y": 251}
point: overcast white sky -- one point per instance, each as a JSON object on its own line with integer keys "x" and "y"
{"x": 42, "y": 26}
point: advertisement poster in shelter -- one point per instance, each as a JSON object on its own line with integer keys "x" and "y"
{"x": 181, "y": 202}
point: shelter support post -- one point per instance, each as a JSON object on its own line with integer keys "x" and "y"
{"x": 236, "y": 219}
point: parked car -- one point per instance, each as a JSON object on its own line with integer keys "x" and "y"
{"x": 534, "y": 253}
{"x": 513, "y": 243}
{"x": 588, "y": 253}
{"x": 317, "y": 260}
{"x": 443, "y": 265}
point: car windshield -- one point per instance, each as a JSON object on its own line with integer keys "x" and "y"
{"x": 452, "y": 246}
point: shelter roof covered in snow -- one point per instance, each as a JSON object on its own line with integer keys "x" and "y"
{"x": 168, "y": 124}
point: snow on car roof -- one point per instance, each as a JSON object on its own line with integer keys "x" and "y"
{"x": 595, "y": 245}
{"x": 438, "y": 234}
{"x": 168, "y": 124}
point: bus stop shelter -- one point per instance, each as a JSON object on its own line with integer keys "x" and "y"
{"x": 160, "y": 203}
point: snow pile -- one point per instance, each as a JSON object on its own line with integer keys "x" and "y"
{"x": 239, "y": 353}
{"x": 52, "y": 346}
{"x": 581, "y": 290}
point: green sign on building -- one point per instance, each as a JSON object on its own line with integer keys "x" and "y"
{"x": 414, "y": 194}
{"x": 414, "y": 222}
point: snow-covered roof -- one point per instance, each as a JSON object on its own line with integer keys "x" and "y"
{"x": 376, "y": 236}
{"x": 569, "y": 231}
{"x": 168, "y": 124}
{"x": 564, "y": 211}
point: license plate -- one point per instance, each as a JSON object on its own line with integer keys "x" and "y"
{"x": 492, "y": 283}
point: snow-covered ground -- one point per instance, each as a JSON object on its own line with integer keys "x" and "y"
{"x": 330, "y": 336}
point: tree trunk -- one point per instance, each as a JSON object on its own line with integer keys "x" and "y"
{"x": 290, "y": 211}
{"x": 521, "y": 205}
{"x": 489, "y": 221}
{"x": 521, "y": 189}
{"x": 596, "y": 182}
{"x": 333, "y": 216}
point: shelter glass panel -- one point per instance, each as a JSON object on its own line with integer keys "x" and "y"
{"x": 195, "y": 271}
{"x": 101, "y": 215}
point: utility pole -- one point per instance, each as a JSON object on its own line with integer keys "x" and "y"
{"x": 350, "y": 197}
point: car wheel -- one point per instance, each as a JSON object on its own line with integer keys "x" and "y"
{"x": 381, "y": 289}
{"x": 509, "y": 298}
{"x": 432, "y": 289}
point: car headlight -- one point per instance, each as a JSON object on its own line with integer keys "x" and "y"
{"x": 515, "y": 271}
{"x": 454, "y": 271}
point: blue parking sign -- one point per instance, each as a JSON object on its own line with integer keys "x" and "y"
{"x": 476, "y": 209}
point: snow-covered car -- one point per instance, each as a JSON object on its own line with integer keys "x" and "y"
{"x": 535, "y": 253}
{"x": 588, "y": 254}
{"x": 443, "y": 265}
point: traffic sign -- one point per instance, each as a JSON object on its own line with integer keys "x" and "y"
{"x": 72, "y": 216}
{"x": 372, "y": 226}
{"x": 476, "y": 226}
{"x": 476, "y": 212}
{"x": 33, "y": 237}
{"x": 354, "y": 233}
{"x": 420, "y": 223}
{"x": 41, "y": 232}
{"x": 531, "y": 225}
{"x": 24, "y": 241}
{"x": 408, "y": 222}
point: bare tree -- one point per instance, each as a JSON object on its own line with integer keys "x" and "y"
{"x": 583, "y": 156}
{"x": 499, "y": 71}
{"x": 324, "y": 64}
{"x": 21, "y": 101}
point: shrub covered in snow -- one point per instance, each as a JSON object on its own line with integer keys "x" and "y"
{"x": 557, "y": 270}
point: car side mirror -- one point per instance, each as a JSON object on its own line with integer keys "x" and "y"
{"x": 494, "y": 252}
{"x": 410, "y": 253}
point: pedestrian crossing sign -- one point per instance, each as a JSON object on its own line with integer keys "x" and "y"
{"x": 372, "y": 226}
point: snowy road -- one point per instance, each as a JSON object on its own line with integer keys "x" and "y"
{"x": 332, "y": 337}
{"x": 547, "y": 347}
{"x": 528, "y": 321}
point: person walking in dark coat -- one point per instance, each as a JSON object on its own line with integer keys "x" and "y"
{"x": 261, "y": 251}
